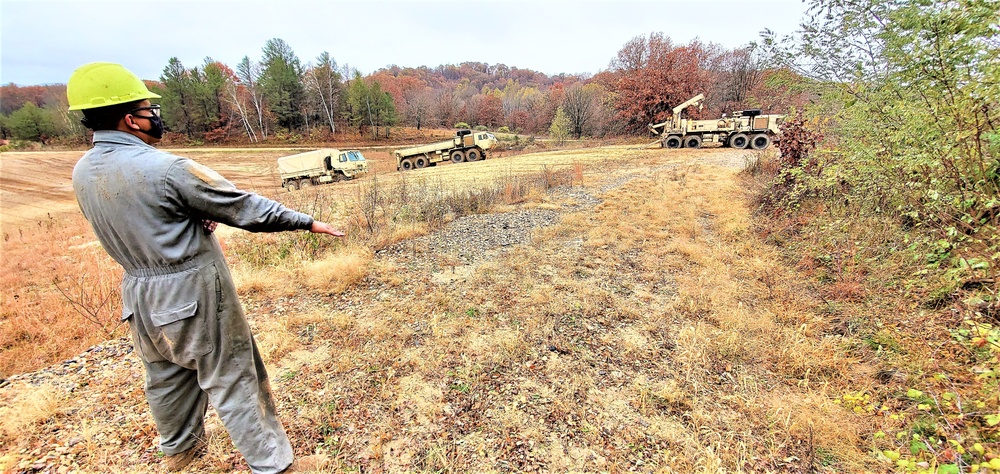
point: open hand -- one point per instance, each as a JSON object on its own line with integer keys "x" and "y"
{"x": 324, "y": 228}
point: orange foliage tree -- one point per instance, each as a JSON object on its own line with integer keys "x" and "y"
{"x": 652, "y": 75}
{"x": 14, "y": 96}
{"x": 489, "y": 110}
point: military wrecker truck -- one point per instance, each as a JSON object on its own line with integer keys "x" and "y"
{"x": 326, "y": 165}
{"x": 745, "y": 128}
{"x": 465, "y": 146}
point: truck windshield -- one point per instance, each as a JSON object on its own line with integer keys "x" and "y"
{"x": 355, "y": 156}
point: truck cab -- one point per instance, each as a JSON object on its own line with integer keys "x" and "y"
{"x": 349, "y": 161}
{"x": 484, "y": 140}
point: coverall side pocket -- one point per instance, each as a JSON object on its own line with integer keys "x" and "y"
{"x": 219, "y": 295}
{"x": 169, "y": 315}
{"x": 181, "y": 316}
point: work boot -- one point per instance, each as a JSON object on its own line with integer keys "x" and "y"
{"x": 177, "y": 462}
{"x": 308, "y": 464}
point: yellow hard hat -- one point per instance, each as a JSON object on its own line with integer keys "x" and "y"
{"x": 102, "y": 84}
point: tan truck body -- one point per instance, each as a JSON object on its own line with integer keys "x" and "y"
{"x": 467, "y": 145}
{"x": 326, "y": 165}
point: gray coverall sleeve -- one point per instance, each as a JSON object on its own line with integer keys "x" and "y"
{"x": 210, "y": 196}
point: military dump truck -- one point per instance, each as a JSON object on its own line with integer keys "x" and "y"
{"x": 320, "y": 166}
{"x": 465, "y": 146}
{"x": 745, "y": 128}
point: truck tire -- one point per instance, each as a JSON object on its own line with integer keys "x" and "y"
{"x": 739, "y": 141}
{"x": 672, "y": 141}
{"x": 305, "y": 183}
{"x": 406, "y": 165}
{"x": 457, "y": 156}
{"x": 760, "y": 141}
{"x": 338, "y": 177}
{"x": 420, "y": 162}
{"x": 473, "y": 155}
{"x": 694, "y": 141}
{"x": 292, "y": 185}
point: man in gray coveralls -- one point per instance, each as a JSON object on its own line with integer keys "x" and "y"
{"x": 154, "y": 213}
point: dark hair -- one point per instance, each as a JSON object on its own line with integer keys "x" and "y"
{"x": 106, "y": 118}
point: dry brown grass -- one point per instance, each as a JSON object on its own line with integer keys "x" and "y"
{"x": 338, "y": 271}
{"x": 652, "y": 332}
{"x": 28, "y": 408}
{"x": 38, "y": 324}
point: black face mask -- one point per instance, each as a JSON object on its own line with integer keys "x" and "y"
{"x": 156, "y": 127}
{"x": 155, "y": 121}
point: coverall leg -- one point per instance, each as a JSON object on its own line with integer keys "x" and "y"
{"x": 209, "y": 355}
{"x": 178, "y": 405}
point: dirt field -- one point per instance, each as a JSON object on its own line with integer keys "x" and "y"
{"x": 36, "y": 186}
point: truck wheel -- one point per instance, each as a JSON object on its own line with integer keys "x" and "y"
{"x": 672, "y": 141}
{"x": 338, "y": 177}
{"x": 406, "y": 165}
{"x": 739, "y": 141}
{"x": 760, "y": 141}
{"x": 305, "y": 183}
{"x": 292, "y": 185}
{"x": 457, "y": 157}
{"x": 473, "y": 155}
{"x": 693, "y": 141}
{"x": 420, "y": 162}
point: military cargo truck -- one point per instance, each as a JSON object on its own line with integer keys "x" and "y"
{"x": 745, "y": 128}
{"x": 465, "y": 146}
{"x": 326, "y": 165}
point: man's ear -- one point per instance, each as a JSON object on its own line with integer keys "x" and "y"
{"x": 127, "y": 119}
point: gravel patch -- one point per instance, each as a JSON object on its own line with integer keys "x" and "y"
{"x": 473, "y": 239}
{"x": 78, "y": 371}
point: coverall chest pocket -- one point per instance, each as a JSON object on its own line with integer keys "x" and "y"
{"x": 180, "y": 320}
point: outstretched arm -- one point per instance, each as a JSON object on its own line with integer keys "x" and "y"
{"x": 206, "y": 195}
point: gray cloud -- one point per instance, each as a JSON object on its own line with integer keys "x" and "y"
{"x": 42, "y": 41}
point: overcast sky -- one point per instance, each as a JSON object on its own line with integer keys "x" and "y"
{"x": 43, "y": 41}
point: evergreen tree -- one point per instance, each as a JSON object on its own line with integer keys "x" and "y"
{"x": 210, "y": 95}
{"x": 177, "y": 97}
{"x": 31, "y": 123}
{"x": 369, "y": 106}
{"x": 281, "y": 83}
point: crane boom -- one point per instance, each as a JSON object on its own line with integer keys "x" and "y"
{"x": 688, "y": 103}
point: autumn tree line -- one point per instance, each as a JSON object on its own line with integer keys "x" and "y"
{"x": 279, "y": 98}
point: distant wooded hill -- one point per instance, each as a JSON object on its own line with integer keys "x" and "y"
{"x": 280, "y": 98}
